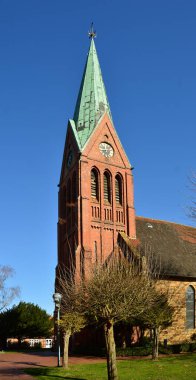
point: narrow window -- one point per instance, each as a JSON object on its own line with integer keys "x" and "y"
{"x": 74, "y": 187}
{"x": 190, "y": 308}
{"x": 95, "y": 250}
{"x": 94, "y": 184}
{"x": 107, "y": 188}
{"x": 69, "y": 196}
{"x": 118, "y": 189}
{"x": 63, "y": 202}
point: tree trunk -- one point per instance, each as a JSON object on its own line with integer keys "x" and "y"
{"x": 111, "y": 351}
{"x": 19, "y": 343}
{"x": 155, "y": 347}
{"x": 66, "y": 337}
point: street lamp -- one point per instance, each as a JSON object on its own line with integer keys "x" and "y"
{"x": 57, "y": 300}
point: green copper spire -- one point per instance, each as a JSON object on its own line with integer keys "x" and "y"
{"x": 92, "y": 100}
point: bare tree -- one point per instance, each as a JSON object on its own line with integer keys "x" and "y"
{"x": 157, "y": 316}
{"x": 117, "y": 291}
{"x": 70, "y": 323}
{"x": 121, "y": 289}
{"x": 7, "y": 294}
{"x": 72, "y": 314}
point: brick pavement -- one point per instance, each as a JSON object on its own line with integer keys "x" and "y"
{"x": 12, "y": 364}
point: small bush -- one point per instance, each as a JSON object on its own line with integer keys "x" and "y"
{"x": 165, "y": 350}
{"x": 37, "y": 346}
{"x": 24, "y": 345}
{"x": 176, "y": 348}
{"x": 12, "y": 346}
{"x": 145, "y": 341}
{"x": 192, "y": 347}
{"x": 90, "y": 351}
{"x": 185, "y": 347}
{"x": 128, "y": 351}
{"x": 134, "y": 351}
{"x": 18, "y": 346}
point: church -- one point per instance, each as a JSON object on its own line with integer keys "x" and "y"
{"x": 96, "y": 213}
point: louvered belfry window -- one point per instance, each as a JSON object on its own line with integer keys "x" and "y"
{"x": 190, "y": 308}
{"x": 94, "y": 184}
{"x": 118, "y": 189}
{"x": 107, "y": 188}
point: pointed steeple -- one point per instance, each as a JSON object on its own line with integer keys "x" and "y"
{"x": 92, "y": 100}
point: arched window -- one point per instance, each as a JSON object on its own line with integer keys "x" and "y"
{"x": 107, "y": 187}
{"x": 94, "y": 184}
{"x": 118, "y": 189}
{"x": 190, "y": 307}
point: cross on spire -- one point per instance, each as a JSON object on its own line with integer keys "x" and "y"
{"x": 92, "y": 32}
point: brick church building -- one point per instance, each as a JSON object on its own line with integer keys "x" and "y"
{"x": 96, "y": 202}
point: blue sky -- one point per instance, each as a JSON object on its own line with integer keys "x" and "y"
{"x": 147, "y": 52}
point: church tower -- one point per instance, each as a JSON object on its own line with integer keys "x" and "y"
{"x": 96, "y": 199}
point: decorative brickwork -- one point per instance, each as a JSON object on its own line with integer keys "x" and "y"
{"x": 93, "y": 206}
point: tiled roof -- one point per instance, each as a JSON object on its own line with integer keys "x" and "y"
{"x": 92, "y": 100}
{"x": 173, "y": 244}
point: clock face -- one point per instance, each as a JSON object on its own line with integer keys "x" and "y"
{"x": 106, "y": 149}
{"x": 69, "y": 159}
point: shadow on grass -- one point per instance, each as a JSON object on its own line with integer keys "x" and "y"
{"x": 183, "y": 357}
{"x": 48, "y": 372}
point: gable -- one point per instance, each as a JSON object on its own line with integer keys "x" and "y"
{"x": 106, "y": 133}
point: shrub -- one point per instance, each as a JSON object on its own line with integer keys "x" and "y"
{"x": 24, "y": 345}
{"x": 176, "y": 348}
{"x": 134, "y": 351}
{"x": 145, "y": 341}
{"x": 18, "y": 346}
{"x": 185, "y": 347}
{"x": 192, "y": 347}
{"x": 90, "y": 351}
{"x": 37, "y": 346}
{"x": 165, "y": 350}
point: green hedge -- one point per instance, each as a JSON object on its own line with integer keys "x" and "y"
{"x": 147, "y": 349}
{"x": 136, "y": 350}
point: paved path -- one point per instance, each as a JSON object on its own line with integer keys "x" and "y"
{"x": 12, "y": 364}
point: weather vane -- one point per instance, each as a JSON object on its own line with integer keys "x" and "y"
{"x": 92, "y": 32}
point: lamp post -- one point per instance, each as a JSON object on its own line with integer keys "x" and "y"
{"x": 57, "y": 300}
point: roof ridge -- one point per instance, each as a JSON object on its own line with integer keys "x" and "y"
{"x": 163, "y": 221}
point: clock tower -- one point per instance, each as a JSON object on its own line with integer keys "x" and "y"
{"x": 96, "y": 184}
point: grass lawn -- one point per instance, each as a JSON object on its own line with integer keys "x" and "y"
{"x": 171, "y": 368}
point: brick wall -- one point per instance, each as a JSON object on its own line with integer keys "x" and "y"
{"x": 91, "y": 228}
{"x": 177, "y": 332}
